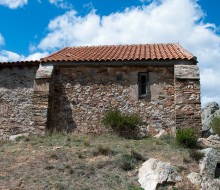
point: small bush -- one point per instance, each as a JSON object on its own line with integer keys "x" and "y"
{"x": 127, "y": 162}
{"x": 196, "y": 155}
{"x": 104, "y": 150}
{"x": 124, "y": 124}
{"x": 87, "y": 142}
{"x": 186, "y": 159}
{"x": 215, "y": 125}
{"x": 137, "y": 155}
{"x": 186, "y": 137}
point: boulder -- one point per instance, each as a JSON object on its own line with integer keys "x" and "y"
{"x": 208, "y": 163}
{"x": 211, "y": 141}
{"x": 154, "y": 173}
{"x": 195, "y": 178}
{"x": 204, "y": 183}
{"x": 210, "y": 110}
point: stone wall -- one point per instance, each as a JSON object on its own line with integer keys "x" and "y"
{"x": 16, "y": 90}
{"x": 187, "y": 97}
{"x": 75, "y": 98}
{"x": 82, "y": 95}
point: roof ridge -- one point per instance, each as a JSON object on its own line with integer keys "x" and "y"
{"x": 114, "y": 45}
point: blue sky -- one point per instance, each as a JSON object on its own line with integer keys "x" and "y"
{"x": 31, "y": 29}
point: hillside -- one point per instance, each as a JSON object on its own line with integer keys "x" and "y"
{"x": 86, "y": 162}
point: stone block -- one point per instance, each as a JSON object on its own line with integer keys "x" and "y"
{"x": 186, "y": 72}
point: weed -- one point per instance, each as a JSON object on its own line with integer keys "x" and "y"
{"x": 186, "y": 159}
{"x": 186, "y": 138}
{"x": 135, "y": 188}
{"x": 158, "y": 142}
{"x": 169, "y": 139}
{"x": 54, "y": 156}
{"x": 196, "y": 155}
{"x": 80, "y": 155}
{"x": 60, "y": 185}
{"x": 49, "y": 167}
{"x": 138, "y": 156}
{"x": 215, "y": 125}
{"x": 20, "y": 138}
{"x": 87, "y": 142}
{"x": 104, "y": 150}
{"x": 181, "y": 168}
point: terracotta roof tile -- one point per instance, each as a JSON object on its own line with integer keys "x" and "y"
{"x": 119, "y": 53}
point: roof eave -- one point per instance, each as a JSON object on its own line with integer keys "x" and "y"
{"x": 123, "y": 63}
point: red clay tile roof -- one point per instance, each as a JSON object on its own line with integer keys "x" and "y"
{"x": 20, "y": 63}
{"x": 114, "y": 53}
{"x": 121, "y": 53}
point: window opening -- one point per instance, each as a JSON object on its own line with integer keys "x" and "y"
{"x": 143, "y": 85}
{"x": 217, "y": 170}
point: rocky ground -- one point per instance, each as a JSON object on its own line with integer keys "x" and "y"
{"x": 88, "y": 162}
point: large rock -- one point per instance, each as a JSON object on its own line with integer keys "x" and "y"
{"x": 208, "y": 164}
{"x": 210, "y": 110}
{"x": 203, "y": 182}
{"x": 205, "y": 179}
{"x": 154, "y": 172}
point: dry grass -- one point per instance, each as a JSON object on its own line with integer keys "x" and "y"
{"x": 68, "y": 161}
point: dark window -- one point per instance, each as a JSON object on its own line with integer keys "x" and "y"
{"x": 143, "y": 85}
{"x": 217, "y": 170}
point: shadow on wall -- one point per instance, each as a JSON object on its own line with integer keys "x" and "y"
{"x": 61, "y": 112}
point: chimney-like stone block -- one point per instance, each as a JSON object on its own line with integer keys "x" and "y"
{"x": 187, "y": 97}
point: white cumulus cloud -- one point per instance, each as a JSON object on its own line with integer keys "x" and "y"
{"x": 168, "y": 21}
{"x": 9, "y": 56}
{"x": 61, "y": 4}
{"x": 6, "y": 56}
{"x": 13, "y": 4}
{"x": 159, "y": 22}
{"x": 2, "y": 40}
{"x": 36, "y": 56}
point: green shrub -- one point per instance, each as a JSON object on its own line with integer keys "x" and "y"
{"x": 215, "y": 125}
{"x": 196, "y": 155}
{"x": 124, "y": 124}
{"x": 186, "y": 137}
{"x": 127, "y": 162}
{"x": 137, "y": 155}
{"x": 104, "y": 150}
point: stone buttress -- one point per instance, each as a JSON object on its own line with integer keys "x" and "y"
{"x": 187, "y": 97}
{"x": 41, "y": 98}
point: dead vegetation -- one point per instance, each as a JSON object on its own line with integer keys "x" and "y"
{"x": 84, "y": 162}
